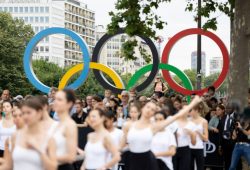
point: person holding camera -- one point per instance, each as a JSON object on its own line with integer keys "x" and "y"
{"x": 241, "y": 135}
{"x": 226, "y": 127}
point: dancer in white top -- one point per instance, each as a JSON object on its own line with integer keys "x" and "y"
{"x": 100, "y": 145}
{"x": 163, "y": 145}
{"x": 7, "y": 126}
{"x": 115, "y": 133}
{"x": 201, "y": 130}
{"x": 184, "y": 136}
{"x": 139, "y": 136}
{"x": 19, "y": 122}
{"x": 66, "y": 132}
{"x": 31, "y": 147}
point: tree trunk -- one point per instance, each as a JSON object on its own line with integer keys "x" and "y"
{"x": 240, "y": 52}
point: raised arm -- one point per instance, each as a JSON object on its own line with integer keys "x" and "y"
{"x": 161, "y": 125}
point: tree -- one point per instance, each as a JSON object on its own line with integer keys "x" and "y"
{"x": 209, "y": 80}
{"x": 48, "y": 73}
{"x": 138, "y": 18}
{"x": 191, "y": 74}
{"x": 14, "y": 35}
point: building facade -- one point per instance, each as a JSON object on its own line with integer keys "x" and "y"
{"x": 43, "y": 14}
{"x": 215, "y": 65}
{"x": 194, "y": 61}
{"x": 111, "y": 53}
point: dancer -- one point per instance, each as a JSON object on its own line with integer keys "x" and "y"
{"x": 163, "y": 145}
{"x": 31, "y": 146}
{"x": 201, "y": 130}
{"x": 184, "y": 137}
{"x": 139, "y": 135}
{"x": 99, "y": 145}
{"x": 66, "y": 132}
{"x": 7, "y": 125}
{"x": 115, "y": 133}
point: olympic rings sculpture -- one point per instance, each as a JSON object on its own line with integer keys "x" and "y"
{"x": 119, "y": 85}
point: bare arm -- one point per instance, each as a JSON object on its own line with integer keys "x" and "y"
{"x": 124, "y": 137}
{"x": 204, "y": 135}
{"x": 161, "y": 125}
{"x": 113, "y": 150}
{"x": 71, "y": 144}
{"x": 170, "y": 152}
{"x": 49, "y": 158}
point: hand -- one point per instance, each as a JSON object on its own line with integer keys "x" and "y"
{"x": 103, "y": 168}
{"x": 32, "y": 144}
{"x": 197, "y": 99}
{"x": 215, "y": 130}
{"x": 239, "y": 125}
{"x": 187, "y": 131}
{"x": 82, "y": 168}
{"x": 2, "y": 161}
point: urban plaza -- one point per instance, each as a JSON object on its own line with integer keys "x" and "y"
{"x": 124, "y": 85}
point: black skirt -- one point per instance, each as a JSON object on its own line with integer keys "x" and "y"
{"x": 65, "y": 167}
{"x": 141, "y": 161}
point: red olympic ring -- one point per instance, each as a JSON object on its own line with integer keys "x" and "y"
{"x": 173, "y": 41}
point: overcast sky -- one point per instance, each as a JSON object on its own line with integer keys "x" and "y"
{"x": 178, "y": 20}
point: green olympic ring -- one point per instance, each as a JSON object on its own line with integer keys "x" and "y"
{"x": 186, "y": 81}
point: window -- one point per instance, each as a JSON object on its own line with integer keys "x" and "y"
{"x": 10, "y": 9}
{"x": 47, "y": 49}
{"x": 36, "y": 9}
{"x": 20, "y": 9}
{"x": 26, "y": 9}
{"x": 16, "y": 9}
{"x": 36, "y": 19}
{"x": 41, "y": 19}
{"x": 6, "y": 9}
{"x": 36, "y": 49}
{"x": 41, "y": 28}
{"x": 31, "y": 9}
{"x": 46, "y": 19}
{"x": 41, "y": 48}
{"x": 36, "y": 29}
{"x": 46, "y": 9}
{"x": 47, "y": 39}
{"x": 1, "y": 8}
{"x": 31, "y": 19}
{"x": 42, "y": 9}
{"x": 26, "y": 19}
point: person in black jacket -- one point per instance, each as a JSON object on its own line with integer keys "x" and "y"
{"x": 226, "y": 127}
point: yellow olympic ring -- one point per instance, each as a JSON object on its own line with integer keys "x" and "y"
{"x": 98, "y": 66}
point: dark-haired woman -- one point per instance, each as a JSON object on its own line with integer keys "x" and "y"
{"x": 115, "y": 133}
{"x": 163, "y": 145}
{"x": 7, "y": 125}
{"x": 139, "y": 135}
{"x": 214, "y": 121}
{"x": 31, "y": 147}
{"x": 201, "y": 130}
{"x": 100, "y": 145}
{"x": 66, "y": 132}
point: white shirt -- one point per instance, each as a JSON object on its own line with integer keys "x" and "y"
{"x": 183, "y": 139}
{"x": 199, "y": 142}
{"x": 161, "y": 143}
{"x": 5, "y": 133}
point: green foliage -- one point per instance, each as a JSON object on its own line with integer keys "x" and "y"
{"x": 138, "y": 17}
{"x": 14, "y": 35}
{"x": 48, "y": 73}
{"x": 191, "y": 74}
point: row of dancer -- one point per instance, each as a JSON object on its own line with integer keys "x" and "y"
{"x": 41, "y": 143}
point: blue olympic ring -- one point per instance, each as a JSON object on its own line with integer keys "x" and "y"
{"x": 27, "y": 62}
